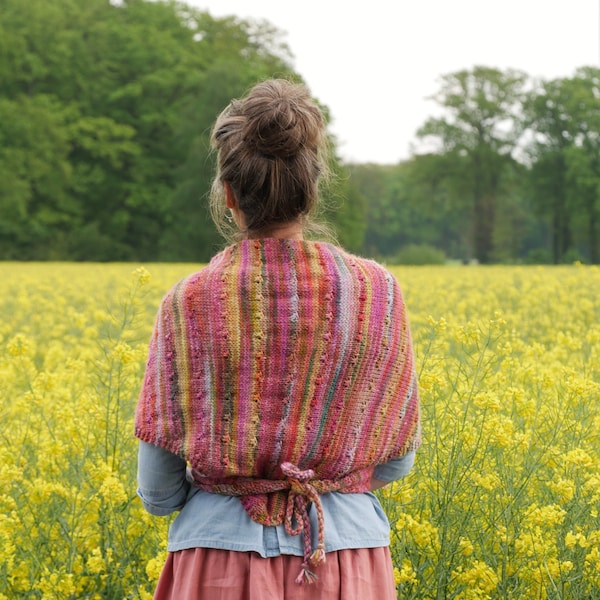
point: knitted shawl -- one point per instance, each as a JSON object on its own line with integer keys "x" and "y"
{"x": 282, "y": 370}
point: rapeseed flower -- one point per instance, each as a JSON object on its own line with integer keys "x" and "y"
{"x": 504, "y": 498}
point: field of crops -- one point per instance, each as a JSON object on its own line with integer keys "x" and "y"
{"x": 504, "y": 501}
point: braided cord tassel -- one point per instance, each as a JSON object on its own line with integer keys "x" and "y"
{"x": 302, "y": 492}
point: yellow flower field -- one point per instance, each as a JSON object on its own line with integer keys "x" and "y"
{"x": 504, "y": 501}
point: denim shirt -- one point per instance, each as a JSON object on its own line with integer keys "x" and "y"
{"x": 209, "y": 520}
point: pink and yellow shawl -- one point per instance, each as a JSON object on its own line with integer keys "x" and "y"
{"x": 282, "y": 370}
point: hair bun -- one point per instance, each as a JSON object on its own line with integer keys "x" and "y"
{"x": 280, "y": 122}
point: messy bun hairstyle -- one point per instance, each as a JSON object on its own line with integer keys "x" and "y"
{"x": 271, "y": 149}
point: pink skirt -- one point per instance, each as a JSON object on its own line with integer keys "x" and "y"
{"x": 209, "y": 574}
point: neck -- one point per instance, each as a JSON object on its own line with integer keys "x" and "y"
{"x": 288, "y": 231}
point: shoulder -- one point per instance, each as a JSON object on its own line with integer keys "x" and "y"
{"x": 189, "y": 285}
{"x": 368, "y": 263}
{"x": 373, "y": 271}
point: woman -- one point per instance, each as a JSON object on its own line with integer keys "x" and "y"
{"x": 280, "y": 387}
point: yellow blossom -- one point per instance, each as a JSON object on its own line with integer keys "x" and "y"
{"x": 154, "y": 567}
{"x": 112, "y": 490}
{"x": 19, "y": 345}
{"x": 123, "y": 353}
{"x": 563, "y": 488}
{"x": 508, "y": 470}
{"x": 479, "y": 580}
{"x": 465, "y": 546}
{"x": 96, "y": 563}
{"x": 142, "y": 275}
{"x": 545, "y": 515}
{"x": 578, "y": 457}
{"x": 405, "y": 574}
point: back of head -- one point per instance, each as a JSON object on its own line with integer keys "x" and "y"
{"x": 271, "y": 149}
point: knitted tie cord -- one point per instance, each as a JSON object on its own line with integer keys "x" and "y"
{"x": 300, "y": 489}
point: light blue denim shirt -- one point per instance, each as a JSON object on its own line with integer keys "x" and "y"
{"x": 210, "y": 520}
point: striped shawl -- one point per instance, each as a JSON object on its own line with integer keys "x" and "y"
{"x": 282, "y": 370}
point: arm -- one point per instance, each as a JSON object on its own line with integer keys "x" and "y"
{"x": 162, "y": 483}
{"x": 395, "y": 469}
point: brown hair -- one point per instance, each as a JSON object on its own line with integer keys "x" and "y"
{"x": 272, "y": 150}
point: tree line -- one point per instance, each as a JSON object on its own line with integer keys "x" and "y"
{"x": 509, "y": 173}
{"x": 105, "y": 116}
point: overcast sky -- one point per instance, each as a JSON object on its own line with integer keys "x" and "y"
{"x": 374, "y": 63}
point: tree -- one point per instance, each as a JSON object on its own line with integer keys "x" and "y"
{"x": 230, "y": 43}
{"x": 105, "y": 112}
{"x": 482, "y": 125}
{"x": 345, "y": 207}
{"x": 35, "y": 204}
{"x": 374, "y": 184}
{"x": 583, "y": 157}
{"x": 564, "y": 116}
{"x": 548, "y": 119}
{"x": 439, "y": 193}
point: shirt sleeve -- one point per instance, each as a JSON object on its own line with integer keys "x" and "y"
{"x": 394, "y": 469}
{"x": 162, "y": 484}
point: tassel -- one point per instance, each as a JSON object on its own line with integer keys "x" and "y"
{"x": 318, "y": 556}
{"x": 306, "y": 575}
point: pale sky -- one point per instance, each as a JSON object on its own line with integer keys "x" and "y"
{"x": 375, "y": 63}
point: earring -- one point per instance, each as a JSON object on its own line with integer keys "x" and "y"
{"x": 229, "y": 217}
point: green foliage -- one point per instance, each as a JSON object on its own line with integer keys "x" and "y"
{"x": 538, "y": 256}
{"x": 375, "y": 183}
{"x": 344, "y": 207}
{"x": 34, "y": 174}
{"x": 419, "y": 254}
{"x": 565, "y": 154}
{"x": 106, "y": 111}
{"x": 482, "y": 126}
{"x": 416, "y": 202}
